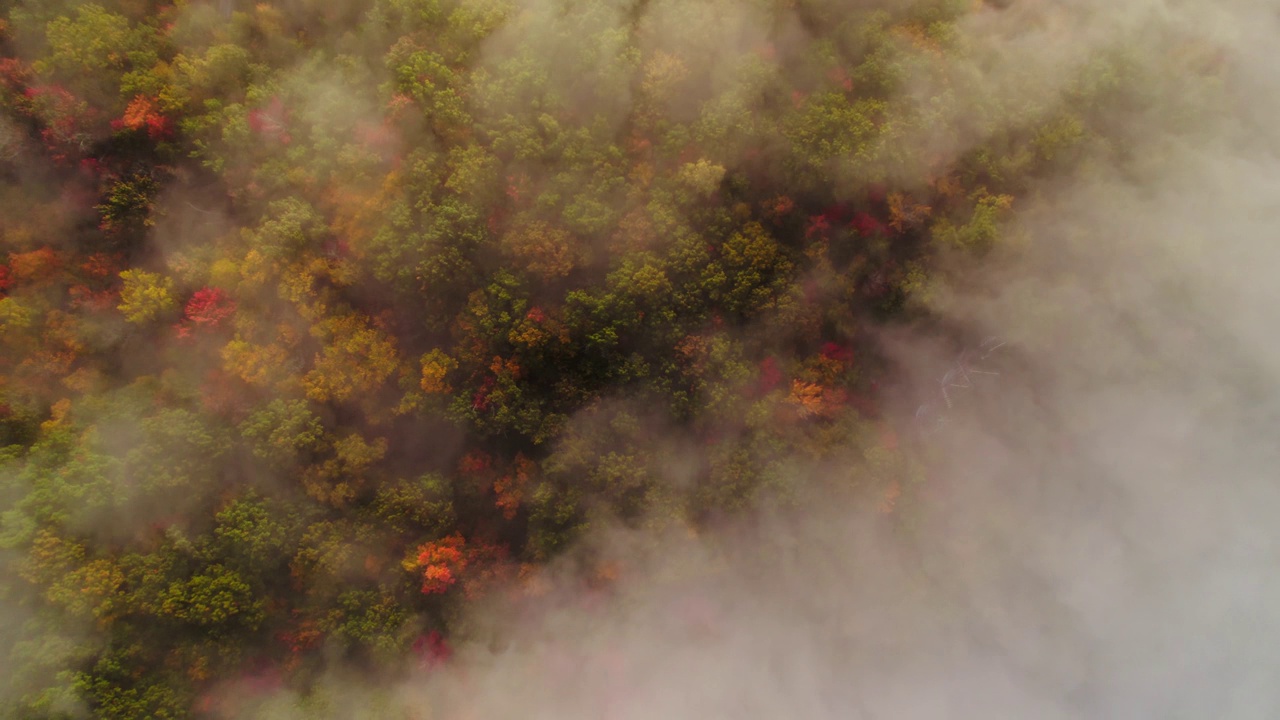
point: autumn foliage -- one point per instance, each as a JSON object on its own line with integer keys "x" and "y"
{"x": 442, "y": 563}
{"x": 319, "y": 321}
{"x": 207, "y": 309}
{"x": 142, "y": 115}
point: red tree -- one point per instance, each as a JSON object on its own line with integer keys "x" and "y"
{"x": 208, "y": 308}
{"x": 442, "y": 562}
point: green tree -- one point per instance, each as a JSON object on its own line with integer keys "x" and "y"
{"x": 215, "y": 599}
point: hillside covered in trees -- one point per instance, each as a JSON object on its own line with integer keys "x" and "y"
{"x": 321, "y": 322}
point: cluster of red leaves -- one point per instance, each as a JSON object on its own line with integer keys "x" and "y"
{"x": 781, "y": 206}
{"x": 638, "y": 144}
{"x": 451, "y": 561}
{"x": 837, "y": 353}
{"x": 507, "y": 482}
{"x": 830, "y": 216}
{"x": 378, "y": 138}
{"x": 4, "y": 278}
{"x": 496, "y": 220}
{"x": 98, "y": 291}
{"x": 94, "y": 169}
{"x": 432, "y": 649}
{"x": 83, "y": 296}
{"x": 63, "y": 115}
{"x": 51, "y": 96}
{"x": 13, "y": 74}
{"x": 141, "y": 114}
{"x": 517, "y": 186}
{"x": 336, "y": 249}
{"x": 509, "y": 488}
{"x": 475, "y": 462}
{"x": 818, "y": 225}
{"x": 480, "y": 401}
{"x": 442, "y": 563}
{"x": 270, "y": 121}
{"x": 398, "y": 106}
{"x": 301, "y": 638}
{"x": 101, "y": 265}
{"x": 34, "y": 266}
{"x": 488, "y": 567}
{"x": 867, "y": 225}
{"x": 208, "y": 308}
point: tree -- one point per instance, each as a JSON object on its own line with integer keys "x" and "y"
{"x": 282, "y": 432}
{"x": 418, "y": 506}
{"x": 206, "y": 309}
{"x": 312, "y": 313}
{"x": 252, "y": 536}
{"x": 146, "y": 296}
{"x": 751, "y": 272}
{"x": 548, "y": 252}
{"x": 213, "y": 599}
{"x": 441, "y": 563}
{"x": 357, "y": 358}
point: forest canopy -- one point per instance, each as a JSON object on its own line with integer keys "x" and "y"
{"x": 321, "y": 322}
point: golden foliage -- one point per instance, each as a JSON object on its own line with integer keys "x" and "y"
{"x": 948, "y": 186}
{"x": 57, "y": 414}
{"x": 703, "y": 177}
{"x": 904, "y": 212}
{"x": 356, "y": 214}
{"x": 258, "y": 365}
{"x": 694, "y": 350}
{"x": 356, "y": 359}
{"x": 436, "y": 366}
{"x": 546, "y": 250}
{"x": 137, "y": 113}
{"x": 807, "y": 397}
{"x": 663, "y": 74}
{"x": 812, "y": 399}
{"x": 34, "y": 265}
{"x": 337, "y": 480}
{"x": 146, "y": 296}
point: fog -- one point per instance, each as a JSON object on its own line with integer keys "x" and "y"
{"x": 1089, "y": 526}
{"x": 1097, "y": 530}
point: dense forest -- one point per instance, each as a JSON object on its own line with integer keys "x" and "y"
{"x": 321, "y": 322}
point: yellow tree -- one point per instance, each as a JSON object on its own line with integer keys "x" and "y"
{"x": 146, "y": 296}
{"x": 357, "y": 358}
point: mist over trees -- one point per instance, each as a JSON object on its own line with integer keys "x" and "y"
{"x": 323, "y": 324}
